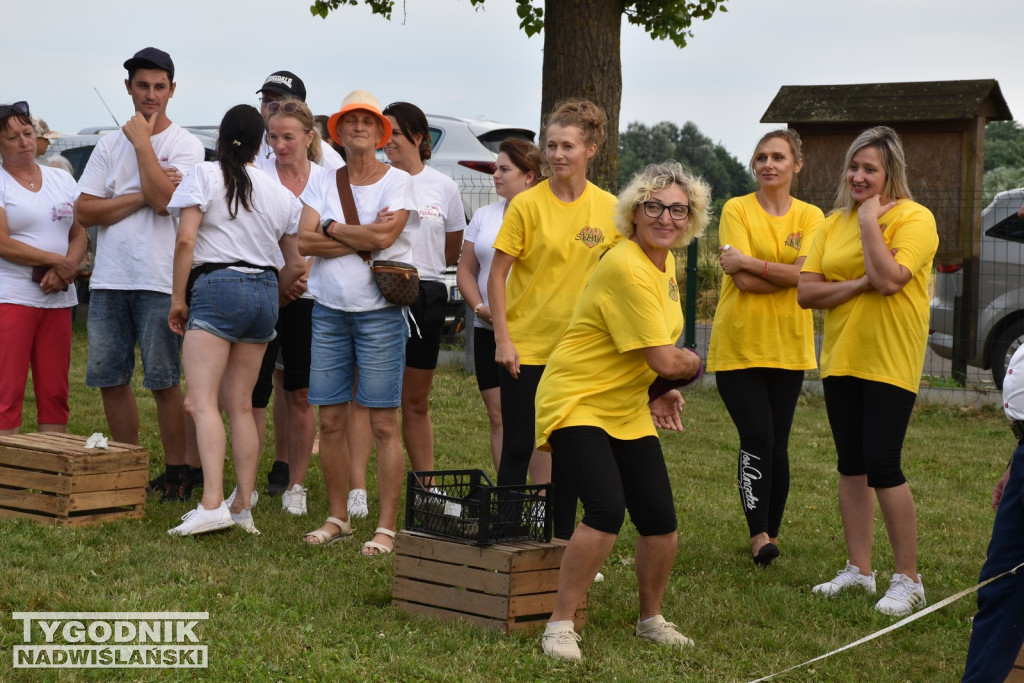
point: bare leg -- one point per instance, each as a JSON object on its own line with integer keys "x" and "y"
{"x": 122, "y": 413}
{"x": 240, "y": 375}
{"x": 654, "y": 558}
{"x": 540, "y": 467}
{"x": 334, "y": 461}
{"x": 170, "y": 417}
{"x": 259, "y": 420}
{"x": 205, "y": 357}
{"x": 7, "y": 432}
{"x": 759, "y": 541}
{"x": 857, "y": 508}
{"x": 48, "y": 427}
{"x": 492, "y": 401}
{"x": 417, "y": 429}
{"x": 898, "y": 511}
{"x": 390, "y": 468}
{"x": 360, "y": 441}
{"x": 587, "y": 551}
{"x": 301, "y": 432}
{"x": 191, "y": 444}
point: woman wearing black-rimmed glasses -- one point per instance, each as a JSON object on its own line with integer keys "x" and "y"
{"x": 41, "y": 244}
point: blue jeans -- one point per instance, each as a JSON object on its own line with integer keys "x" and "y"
{"x": 236, "y": 306}
{"x": 372, "y": 341}
{"x": 999, "y": 624}
{"x": 117, "y": 319}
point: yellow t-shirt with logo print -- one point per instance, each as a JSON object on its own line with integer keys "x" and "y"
{"x": 598, "y": 375}
{"x": 556, "y": 245}
{"x": 769, "y": 330}
{"x": 871, "y": 336}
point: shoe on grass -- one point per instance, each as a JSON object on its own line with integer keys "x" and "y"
{"x": 662, "y": 632}
{"x": 294, "y": 500}
{"x": 277, "y": 478}
{"x": 253, "y": 497}
{"x": 848, "y": 577}
{"x": 903, "y": 597}
{"x": 177, "y": 489}
{"x": 201, "y": 521}
{"x": 357, "y": 504}
{"x": 243, "y": 520}
{"x": 560, "y": 640}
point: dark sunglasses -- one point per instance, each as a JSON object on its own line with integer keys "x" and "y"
{"x": 286, "y": 107}
{"x": 18, "y": 108}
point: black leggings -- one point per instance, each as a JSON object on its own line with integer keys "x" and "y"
{"x": 519, "y": 420}
{"x": 612, "y": 476}
{"x": 869, "y": 421}
{"x": 761, "y": 403}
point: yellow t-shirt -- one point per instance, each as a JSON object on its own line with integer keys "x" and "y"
{"x": 764, "y": 330}
{"x": 597, "y": 375}
{"x": 871, "y": 336}
{"x": 556, "y": 246}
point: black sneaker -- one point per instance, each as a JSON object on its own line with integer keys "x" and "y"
{"x": 178, "y": 490}
{"x": 156, "y": 485}
{"x": 277, "y": 479}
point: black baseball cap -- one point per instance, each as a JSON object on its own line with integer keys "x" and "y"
{"x": 151, "y": 58}
{"x": 285, "y": 83}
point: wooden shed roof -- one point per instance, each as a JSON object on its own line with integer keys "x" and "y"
{"x": 890, "y": 102}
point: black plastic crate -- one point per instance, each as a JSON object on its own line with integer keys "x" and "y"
{"x": 465, "y": 505}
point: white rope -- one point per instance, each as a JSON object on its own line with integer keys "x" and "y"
{"x": 899, "y": 624}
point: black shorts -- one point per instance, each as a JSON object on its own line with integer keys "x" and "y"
{"x": 428, "y": 313}
{"x": 295, "y": 330}
{"x": 485, "y": 366}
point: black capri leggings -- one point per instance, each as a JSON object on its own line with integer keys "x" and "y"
{"x": 869, "y": 420}
{"x": 612, "y": 476}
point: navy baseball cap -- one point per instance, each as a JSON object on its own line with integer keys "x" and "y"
{"x": 151, "y": 58}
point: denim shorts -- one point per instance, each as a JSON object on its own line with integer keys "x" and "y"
{"x": 372, "y": 341}
{"x": 119, "y": 318}
{"x": 236, "y": 306}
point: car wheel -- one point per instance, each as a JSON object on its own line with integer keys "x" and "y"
{"x": 1003, "y": 348}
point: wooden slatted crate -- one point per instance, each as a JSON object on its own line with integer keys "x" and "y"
{"x": 53, "y": 479}
{"x": 504, "y": 587}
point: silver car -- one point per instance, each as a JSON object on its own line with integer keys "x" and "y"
{"x": 1000, "y": 314}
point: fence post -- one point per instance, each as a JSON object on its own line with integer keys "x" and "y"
{"x": 690, "y": 312}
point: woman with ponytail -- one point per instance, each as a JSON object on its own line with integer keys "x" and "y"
{"x": 233, "y": 221}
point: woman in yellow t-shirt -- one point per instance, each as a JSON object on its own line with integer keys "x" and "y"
{"x": 761, "y": 340}
{"x": 550, "y": 240}
{"x": 594, "y": 411}
{"x": 869, "y": 267}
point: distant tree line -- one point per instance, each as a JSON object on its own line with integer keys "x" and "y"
{"x": 1004, "y": 158}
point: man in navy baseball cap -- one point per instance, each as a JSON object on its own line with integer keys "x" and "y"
{"x": 151, "y": 58}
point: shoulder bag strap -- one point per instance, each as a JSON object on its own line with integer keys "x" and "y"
{"x": 348, "y": 202}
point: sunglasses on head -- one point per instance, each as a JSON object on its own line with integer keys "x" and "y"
{"x": 286, "y": 107}
{"x": 18, "y": 108}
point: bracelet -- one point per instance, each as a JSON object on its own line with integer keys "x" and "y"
{"x": 764, "y": 275}
{"x": 476, "y": 309}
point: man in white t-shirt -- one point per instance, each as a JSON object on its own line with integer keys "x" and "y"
{"x": 125, "y": 188}
{"x": 278, "y": 86}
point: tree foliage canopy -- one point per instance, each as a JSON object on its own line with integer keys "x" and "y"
{"x": 1004, "y": 158}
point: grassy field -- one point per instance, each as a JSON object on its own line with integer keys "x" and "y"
{"x": 280, "y": 610}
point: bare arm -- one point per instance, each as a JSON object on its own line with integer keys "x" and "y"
{"x": 505, "y": 352}
{"x": 452, "y": 247}
{"x": 379, "y": 235}
{"x": 157, "y": 186}
{"x": 757, "y": 275}
{"x": 815, "y": 292}
{"x": 27, "y": 255}
{"x": 465, "y": 277}
{"x": 883, "y": 271}
{"x": 312, "y": 242}
{"x": 92, "y": 210}
{"x": 294, "y": 264}
{"x": 184, "y": 250}
{"x": 672, "y": 362}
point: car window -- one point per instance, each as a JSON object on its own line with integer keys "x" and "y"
{"x": 1010, "y": 228}
{"x": 435, "y": 136}
{"x": 79, "y": 157}
{"x": 492, "y": 139}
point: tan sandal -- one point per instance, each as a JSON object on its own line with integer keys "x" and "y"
{"x": 322, "y": 537}
{"x": 372, "y": 549}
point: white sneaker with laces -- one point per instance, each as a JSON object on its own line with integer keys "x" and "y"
{"x": 253, "y": 497}
{"x": 560, "y": 640}
{"x": 201, "y": 521}
{"x": 903, "y": 597}
{"x": 848, "y": 577}
{"x": 662, "y": 632}
{"x": 357, "y": 504}
{"x": 294, "y": 500}
{"x": 243, "y": 520}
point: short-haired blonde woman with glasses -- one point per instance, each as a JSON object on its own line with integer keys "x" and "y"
{"x": 594, "y": 412}
{"x": 869, "y": 267}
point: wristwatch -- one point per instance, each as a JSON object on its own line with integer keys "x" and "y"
{"x": 325, "y": 228}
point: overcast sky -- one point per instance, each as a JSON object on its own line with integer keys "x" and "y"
{"x": 451, "y": 59}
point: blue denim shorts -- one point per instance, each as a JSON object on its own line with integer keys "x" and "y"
{"x": 117, "y": 320}
{"x": 372, "y": 341}
{"x": 236, "y": 306}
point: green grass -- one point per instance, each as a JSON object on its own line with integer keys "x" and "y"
{"x": 282, "y": 611}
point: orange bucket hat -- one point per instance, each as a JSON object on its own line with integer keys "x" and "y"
{"x": 360, "y": 99}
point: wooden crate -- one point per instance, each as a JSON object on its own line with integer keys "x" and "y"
{"x": 1017, "y": 673}
{"x": 504, "y": 587}
{"x": 53, "y": 479}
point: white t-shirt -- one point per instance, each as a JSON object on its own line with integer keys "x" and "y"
{"x": 314, "y": 172}
{"x": 137, "y": 252}
{"x": 42, "y": 220}
{"x": 251, "y": 236}
{"x": 481, "y": 232}
{"x": 438, "y": 211}
{"x": 1013, "y": 386}
{"x": 345, "y": 283}
{"x": 330, "y": 160}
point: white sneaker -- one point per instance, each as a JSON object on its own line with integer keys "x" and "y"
{"x": 201, "y": 521}
{"x": 560, "y": 640}
{"x": 357, "y": 503}
{"x": 294, "y": 500}
{"x": 903, "y": 597}
{"x": 253, "y": 498}
{"x": 243, "y": 520}
{"x": 662, "y": 632}
{"x": 847, "y": 577}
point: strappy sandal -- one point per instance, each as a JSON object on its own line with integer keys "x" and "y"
{"x": 322, "y": 537}
{"x": 373, "y": 549}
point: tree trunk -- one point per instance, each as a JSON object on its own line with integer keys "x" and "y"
{"x": 581, "y": 59}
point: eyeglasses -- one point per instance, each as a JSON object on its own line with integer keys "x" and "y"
{"x": 289, "y": 107}
{"x": 676, "y": 212}
{"x": 18, "y": 108}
